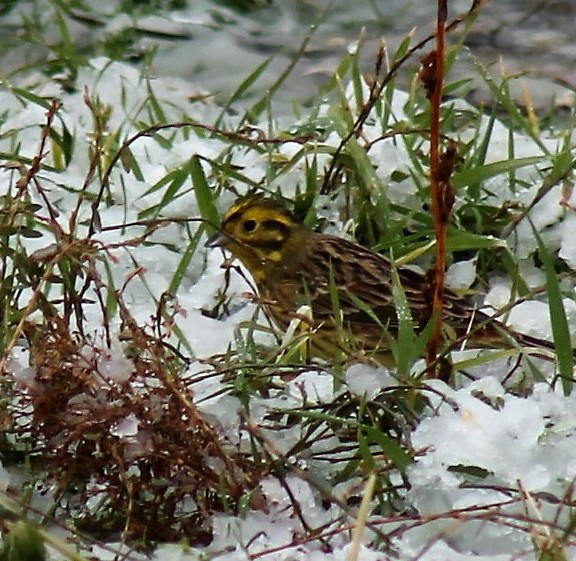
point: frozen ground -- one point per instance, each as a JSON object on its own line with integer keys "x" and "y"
{"x": 524, "y": 447}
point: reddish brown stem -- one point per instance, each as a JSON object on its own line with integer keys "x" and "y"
{"x": 438, "y": 184}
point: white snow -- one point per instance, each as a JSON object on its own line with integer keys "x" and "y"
{"x": 479, "y": 447}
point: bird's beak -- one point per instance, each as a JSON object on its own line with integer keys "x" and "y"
{"x": 219, "y": 239}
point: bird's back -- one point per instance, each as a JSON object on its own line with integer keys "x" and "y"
{"x": 336, "y": 275}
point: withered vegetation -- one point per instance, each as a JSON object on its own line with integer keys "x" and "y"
{"x": 107, "y": 421}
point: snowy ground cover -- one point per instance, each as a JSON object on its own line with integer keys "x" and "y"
{"x": 481, "y": 470}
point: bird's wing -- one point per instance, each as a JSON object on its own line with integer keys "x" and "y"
{"x": 346, "y": 276}
{"x": 362, "y": 283}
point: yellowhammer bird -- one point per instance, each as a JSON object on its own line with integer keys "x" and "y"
{"x": 293, "y": 266}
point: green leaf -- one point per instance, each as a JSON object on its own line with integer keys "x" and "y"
{"x": 409, "y": 346}
{"x": 24, "y": 543}
{"x": 390, "y": 447}
{"x": 44, "y": 102}
{"x": 361, "y": 162}
{"x": 464, "y": 241}
{"x": 130, "y": 163}
{"x": 244, "y": 86}
{"x": 175, "y": 179}
{"x": 205, "y": 196}
{"x": 157, "y": 110}
{"x": 334, "y": 300}
{"x": 30, "y": 233}
{"x": 185, "y": 261}
{"x": 560, "y": 330}
{"x": 111, "y": 295}
{"x": 364, "y": 450}
{"x": 473, "y": 175}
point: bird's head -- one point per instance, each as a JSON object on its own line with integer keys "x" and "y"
{"x": 263, "y": 234}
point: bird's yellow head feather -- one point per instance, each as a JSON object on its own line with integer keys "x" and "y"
{"x": 263, "y": 234}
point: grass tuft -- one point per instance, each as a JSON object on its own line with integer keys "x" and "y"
{"x": 106, "y": 396}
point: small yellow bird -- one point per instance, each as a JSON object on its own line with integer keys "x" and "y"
{"x": 293, "y": 266}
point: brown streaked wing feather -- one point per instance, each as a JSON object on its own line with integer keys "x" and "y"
{"x": 367, "y": 276}
{"x": 357, "y": 271}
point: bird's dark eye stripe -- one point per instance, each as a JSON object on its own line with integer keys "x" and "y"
{"x": 277, "y": 226}
{"x": 268, "y": 245}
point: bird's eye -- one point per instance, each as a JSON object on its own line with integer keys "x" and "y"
{"x": 250, "y": 225}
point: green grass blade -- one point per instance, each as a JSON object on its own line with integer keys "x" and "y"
{"x": 363, "y": 166}
{"x": 473, "y": 175}
{"x": 390, "y": 447}
{"x": 409, "y": 345}
{"x": 246, "y": 84}
{"x": 205, "y": 196}
{"x": 185, "y": 261}
{"x": 560, "y": 330}
{"x": 175, "y": 180}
